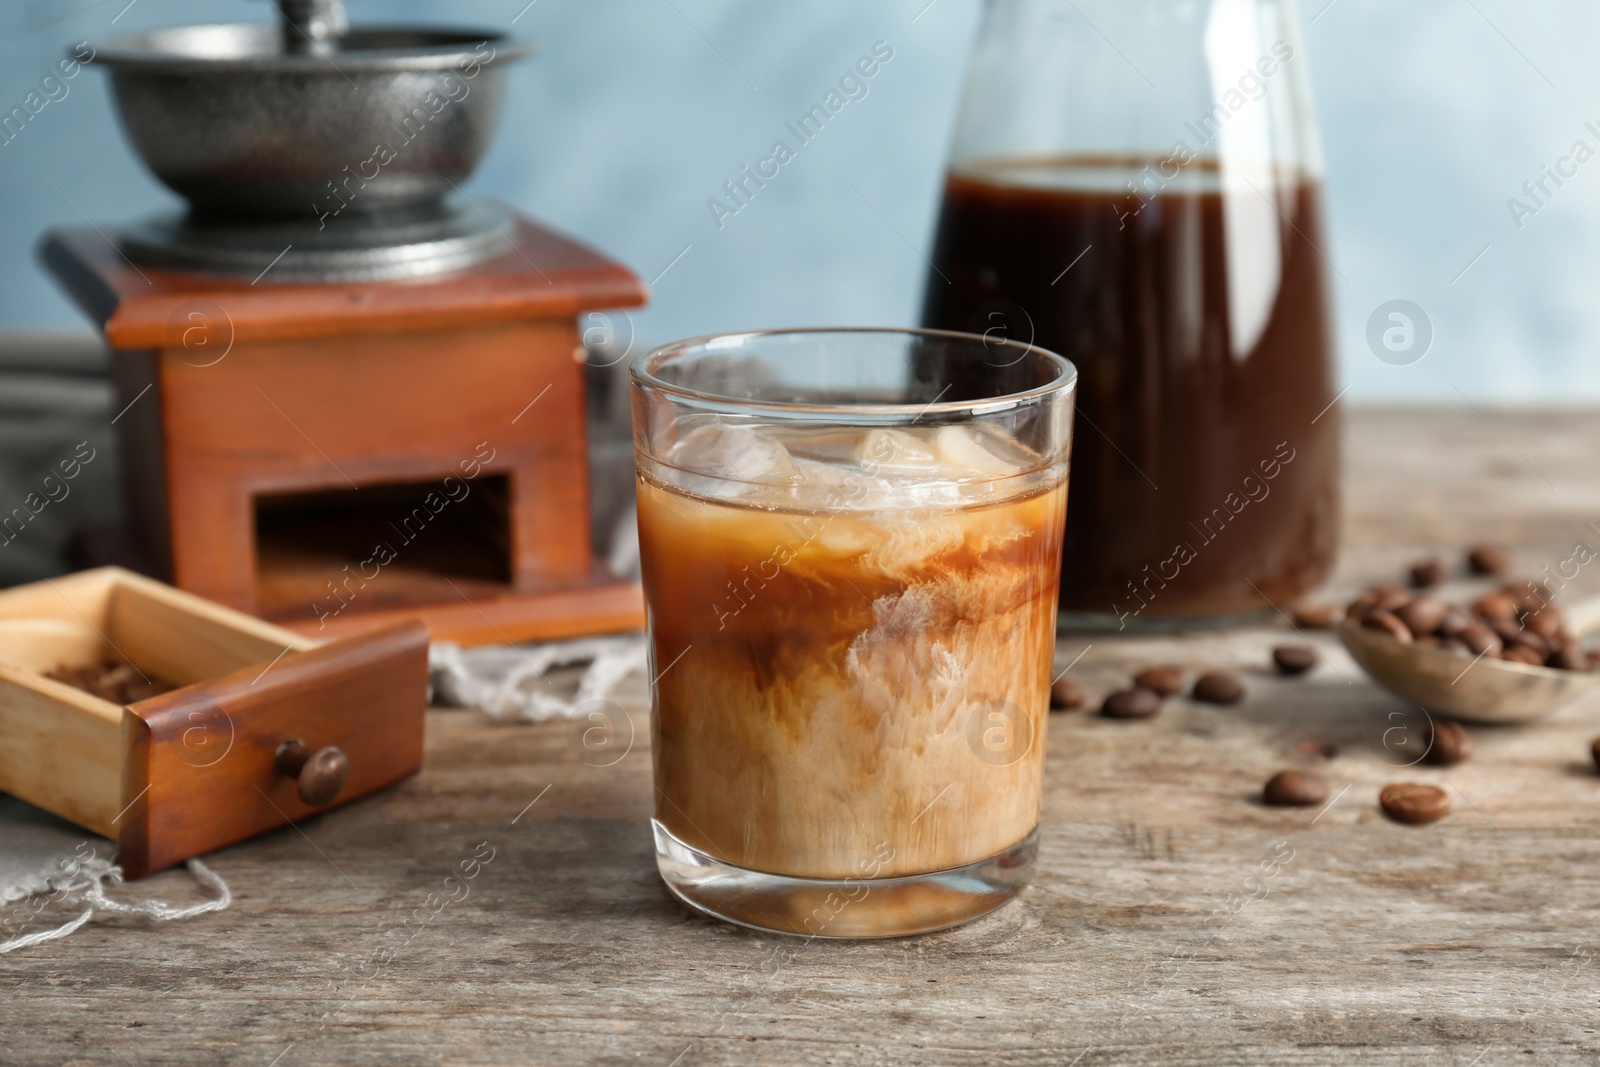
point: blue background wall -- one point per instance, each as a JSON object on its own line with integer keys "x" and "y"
{"x": 1434, "y": 113}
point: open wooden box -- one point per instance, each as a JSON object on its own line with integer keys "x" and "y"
{"x": 197, "y": 768}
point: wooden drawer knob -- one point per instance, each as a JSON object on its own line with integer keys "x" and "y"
{"x": 321, "y": 774}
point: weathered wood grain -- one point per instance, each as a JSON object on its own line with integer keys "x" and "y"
{"x": 1468, "y": 942}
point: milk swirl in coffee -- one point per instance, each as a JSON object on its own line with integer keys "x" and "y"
{"x": 853, "y": 631}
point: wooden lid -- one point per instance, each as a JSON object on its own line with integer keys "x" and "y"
{"x": 544, "y": 276}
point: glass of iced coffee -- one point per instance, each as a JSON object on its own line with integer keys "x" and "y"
{"x": 851, "y": 546}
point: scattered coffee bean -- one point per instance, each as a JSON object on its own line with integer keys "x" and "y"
{"x": 1489, "y": 559}
{"x": 1413, "y": 802}
{"x": 1428, "y": 573}
{"x": 1316, "y": 616}
{"x": 1423, "y": 615}
{"x": 1135, "y": 703}
{"x": 1294, "y": 789}
{"x": 1065, "y": 694}
{"x": 1522, "y": 654}
{"x": 1451, "y": 744}
{"x": 1218, "y": 687}
{"x": 1388, "y": 622}
{"x": 1167, "y": 679}
{"x": 1454, "y": 620}
{"x": 1568, "y": 657}
{"x": 1480, "y": 640}
{"x": 1594, "y": 750}
{"x": 1294, "y": 659}
{"x": 1315, "y": 749}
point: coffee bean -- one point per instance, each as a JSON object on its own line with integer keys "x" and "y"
{"x": 1496, "y": 606}
{"x": 1166, "y": 679}
{"x": 1389, "y": 623}
{"x": 1568, "y": 657}
{"x": 1316, "y": 616}
{"x": 1135, "y": 703}
{"x": 1530, "y": 594}
{"x": 1547, "y": 623}
{"x": 1218, "y": 687}
{"x": 1315, "y": 749}
{"x": 1481, "y": 640}
{"x": 1423, "y": 615}
{"x": 1594, "y": 751}
{"x": 1065, "y": 694}
{"x": 1378, "y": 598}
{"x": 1391, "y": 597}
{"x": 1451, "y": 744}
{"x": 1413, "y": 802}
{"x": 1522, "y": 654}
{"x": 1509, "y": 629}
{"x": 1357, "y": 609}
{"x": 1455, "y": 646}
{"x": 1294, "y": 789}
{"x": 1454, "y": 620}
{"x": 1428, "y": 573}
{"x": 1531, "y": 640}
{"x": 1294, "y": 659}
{"x": 1489, "y": 559}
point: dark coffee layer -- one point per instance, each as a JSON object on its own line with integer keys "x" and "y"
{"x": 1205, "y": 459}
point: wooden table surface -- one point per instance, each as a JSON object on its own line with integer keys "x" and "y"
{"x": 1150, "y": 935}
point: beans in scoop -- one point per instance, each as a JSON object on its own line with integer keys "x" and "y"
{"x": 1518, "y": 623}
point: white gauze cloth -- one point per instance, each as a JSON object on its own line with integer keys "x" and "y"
{"x": 48, "y": 863}
{"x": 508, "y": 681}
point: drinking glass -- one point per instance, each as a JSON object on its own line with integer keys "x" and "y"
{"x": 851, "y": 543}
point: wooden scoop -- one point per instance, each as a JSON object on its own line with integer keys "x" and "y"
{"x": 1486, "y": 690}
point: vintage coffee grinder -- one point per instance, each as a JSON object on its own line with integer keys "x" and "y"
{"x": 346, "y": 394}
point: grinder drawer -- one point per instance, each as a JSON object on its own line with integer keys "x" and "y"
{"x": 261, "y": 725}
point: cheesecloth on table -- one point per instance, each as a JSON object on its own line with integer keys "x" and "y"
{"x": 49, "y": 867}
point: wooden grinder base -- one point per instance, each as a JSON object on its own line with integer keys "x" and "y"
{"x": 335, "y": 456}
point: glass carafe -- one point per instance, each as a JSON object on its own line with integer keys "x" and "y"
{"x": 1135, "y": 184}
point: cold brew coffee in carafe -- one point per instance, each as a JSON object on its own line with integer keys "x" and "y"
{"x": 1165, "y": 235}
